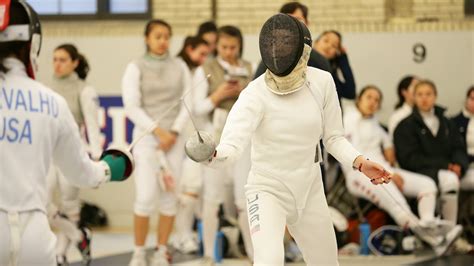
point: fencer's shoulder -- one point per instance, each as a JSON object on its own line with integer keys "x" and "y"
{"x": 255, "y": 88}
{"x": 316, "y": 74}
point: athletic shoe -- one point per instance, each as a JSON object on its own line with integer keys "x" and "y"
{"x": 160, "y": 258}
{"x": 449, "y": 239}
{"x": 462, "y": 247}
{"x": 84, "y": 245}
{"x": 138, "y": 259}
{"x": 206, "y": 261}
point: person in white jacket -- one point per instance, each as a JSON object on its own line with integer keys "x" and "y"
{"x": 152, "y": 85}
{"x": 284, "y": 114}
{"x": 194, "y": 53}
{"x": 212, "y": 101}
{"x": 36, "y": 127}
{"x": 364, "y": 131}
{"x": 70, "y": 71}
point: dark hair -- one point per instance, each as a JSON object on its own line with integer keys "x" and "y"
{"x": 403, "y": 85}
{"x": 365, "y": 89}
{"x": 233, "y": 32}
{"x": 205, "y": 27}
{"x": 19, "y": 49}
{"x": 338, "y": 34}
{"x": 333, "y": 62}
{"x": 429, "y": 83}
{"x": 193, "y": 42}
{"x": 291, "y": 7}
{"x": 469, "y": 91}
{"x": 155, "y": 22}
{"x": 82, "y": 68}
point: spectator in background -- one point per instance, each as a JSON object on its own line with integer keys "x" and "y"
{"x": 465, "y": 124}
{"x": 404, "y": 107}
{"x": 300, "y": 12}
{"x": 364, "y": 131}
{"x": 70, "y": 71}
{"x": 208, "y": 31}
{"x": 230, "y": 74}
{"x": 151, "y": 85}
{"x": 428, "y": 143}
{"x": 329, "y": 44}
{"x": 194, "y": 52}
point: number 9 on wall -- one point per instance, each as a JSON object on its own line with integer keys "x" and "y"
{"x": 419, "y": 52}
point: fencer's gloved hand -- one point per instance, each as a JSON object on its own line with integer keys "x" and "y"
{"x": 200, "y": 147}
{"x": 120, "y": 162}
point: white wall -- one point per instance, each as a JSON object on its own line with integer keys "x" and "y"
{"x": 376, "y": 58}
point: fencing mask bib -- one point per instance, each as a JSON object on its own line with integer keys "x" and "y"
{"x": 285, "y": 45}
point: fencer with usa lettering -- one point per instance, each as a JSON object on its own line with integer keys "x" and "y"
{"x": 283, "y": 114}
{"x": 36, "y": 127}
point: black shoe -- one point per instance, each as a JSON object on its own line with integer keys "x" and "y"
{"x": 84, "y": 245}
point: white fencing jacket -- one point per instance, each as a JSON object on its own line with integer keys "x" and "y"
{"x": 36, "y": 127}
{"x": 285, "y": 132}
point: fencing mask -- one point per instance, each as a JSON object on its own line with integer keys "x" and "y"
{"x": 19, "y": 23}
{"x": 285, "y": 44}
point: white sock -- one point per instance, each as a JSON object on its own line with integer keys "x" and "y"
{"x": 245, "y": 230}
{"x": 426, "y": 206}
{"x": 449, "y": 207}
{"x": 210, "y": 223}
{"x": 162, "y": 249}
{"x": 403, "y": 216}
{"x": 185, "y": 216}
{"x": 68, "y": 227}
{"x": 139, "y": 249}
{"x": 62, "y": 244}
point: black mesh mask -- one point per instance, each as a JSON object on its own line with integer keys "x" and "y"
{"x": 281, "y": 42}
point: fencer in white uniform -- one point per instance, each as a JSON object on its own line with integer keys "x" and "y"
{"x": 212, "y": 101}
{"x": 367, "y": 135}
{"x": 152, "y": 88}
{"x": 193, "y": 54}
{"x": 36, "y": 127}
{"x": 284, "y": 114}
{"x": 70, "y": 71}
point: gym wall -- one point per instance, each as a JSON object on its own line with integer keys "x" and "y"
{"x": 385, "y": 40}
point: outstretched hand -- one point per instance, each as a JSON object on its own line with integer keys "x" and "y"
{"x": 374, "y": 171}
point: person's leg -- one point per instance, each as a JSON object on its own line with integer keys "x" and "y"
{"x": 314, "y": 231}
{"x": 190, "y": 187}
{"x": 424, "y": 189}
{"x": 448, "y": 183}
{"x": 146, "y": 190}
{"x": 213, "y": 196}
{"x": 241, "y": 172}
{"x": 467, "y": 182}
{"x": 168, "y": 204}
{"x": 388, "y": 198}
{"x": 267, "y": 220}
{"x": 36, "y": 240}
{"x": 70, "y": 202}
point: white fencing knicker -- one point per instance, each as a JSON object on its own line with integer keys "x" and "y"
{"x": 22, "y": 233}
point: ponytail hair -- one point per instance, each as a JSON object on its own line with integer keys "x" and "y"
{"x": 82, "y": 68}
{"x": 403, "y": 86}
